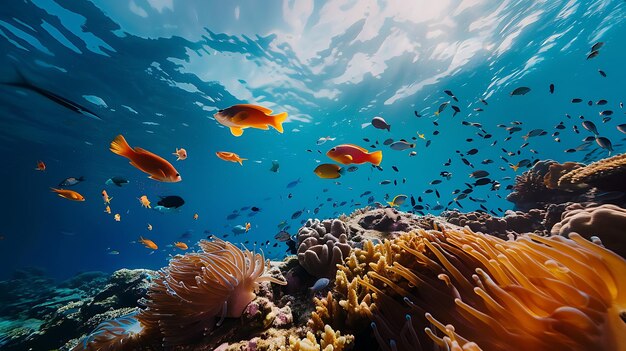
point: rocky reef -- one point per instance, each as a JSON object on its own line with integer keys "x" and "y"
{"x": 549, "y": 275}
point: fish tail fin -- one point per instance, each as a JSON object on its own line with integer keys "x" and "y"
{"x": 388, "y": 127}
{"x": 436, "y": 113}
{"x": 391, "y": 203}
{"x": 376, "y": 157}
{"x": 525, "y": 137}
{"x": 120, "y": 147}
{"x": 55, "y": 190}
{"x": 241, "y": 160}
{"x": 277, "y": 121}
{"x": 342, "y": 170}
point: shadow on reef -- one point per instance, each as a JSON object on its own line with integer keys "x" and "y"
{"x": 546, "y": 276}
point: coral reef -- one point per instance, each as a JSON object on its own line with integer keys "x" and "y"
{"x": 607, "y": 222}
{"x": 396, "y": 281}
{"x": 51, "y": 314}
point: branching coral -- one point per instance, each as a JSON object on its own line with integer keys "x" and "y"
{"x": 463, "y": 289}
{"x": 329, "y": 341}
{"x": 198, "y": 289}
{"x": 607, "y": 222}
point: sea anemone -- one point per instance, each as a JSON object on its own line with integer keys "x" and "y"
{"x": 198, "y": 290}
{"x": 462, "y": 290}
{"x": 117, "y": 334}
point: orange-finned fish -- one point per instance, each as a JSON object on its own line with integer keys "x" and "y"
{"x": 348, "y": 153}
{"x": 148, "y": 243}
{"x": 107, "y": 209}
{"x": 240, "y": 117}
{"x": 40, "y": 166}
{"x": 107, "y": 199}
{"x": 230, "y": 156}
{"x": 69, "y": 194}
{"x": 181, "y": 245}
{"x": 144, "y": 201}
{"x": 117, "y": 217}
{"x": 248, "y": 225}
{"x": 181, "y": 154}
{"x": 157, "y": 167}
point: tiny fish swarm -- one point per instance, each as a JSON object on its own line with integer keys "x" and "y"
{"x": 198, "y": 289}
{"x": 460, "y": 290}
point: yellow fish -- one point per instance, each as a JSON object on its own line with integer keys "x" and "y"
{"x": 398, "y": 200}
{"x": 117, "y": 217}
{"x": 240, "y": 117}
{"x": 107, "y": 209}
{"x": 144, "y": 201}
{"x": 328, "y": 171}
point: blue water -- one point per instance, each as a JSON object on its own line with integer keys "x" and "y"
{"x": 156, "y": 71}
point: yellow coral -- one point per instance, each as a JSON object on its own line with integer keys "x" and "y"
{"x": 329, "y": 341}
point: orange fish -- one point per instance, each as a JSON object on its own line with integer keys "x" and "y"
{"x": 181, "y": 245}
{"x": 69, "y": 194}
{"x": 107, "y": 209}
{"x": 181, "y": 154}
{"x": 107, "y": 199}
{"x": 240, "y": 117}
{"x": 144, "y": 160}
{"x": 195, "y": 216}
{"x": 230, "y": 156}
{"x": 117, "y": 217}
{"x": 144, "y": 201}
{"x": 40, "y": 166}
{"x": 148, "y": 243}
{"x": 248, "y": 226}
{"x": 348, "y": 153}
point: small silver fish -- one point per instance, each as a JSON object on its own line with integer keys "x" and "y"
{"x": 401, "y": 145}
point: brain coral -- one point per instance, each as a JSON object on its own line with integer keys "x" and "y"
{"x": 323, "y": 245}
{"x": 460, "y": 290}
{"x": 608, "y": 222}
{"x": 199, "y": 289}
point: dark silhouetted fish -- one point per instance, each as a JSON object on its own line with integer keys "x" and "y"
{"x": 520, "y": 91}
{"x": 68, "y": 104}
{"x": 172, "y": 201}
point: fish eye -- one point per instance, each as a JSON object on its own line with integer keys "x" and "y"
{"x": 178, "y": 174}
{"x": 333, "y": 149}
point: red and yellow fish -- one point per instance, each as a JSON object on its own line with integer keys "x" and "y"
{"x": 107, "y": 199}
{"x": 181, "y": 245}
{"x": 181, "y": 154}
{"x": 40, "y": 166}
{"x": 156, "y": 166}
{"x": 148, "y": 243}
{"x": 348, "y": 153}
{"x": 230, "y": 156}
{"x": 69, "y": 194}
{"x": 240, "y": 117}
